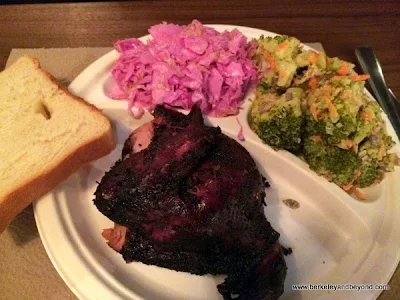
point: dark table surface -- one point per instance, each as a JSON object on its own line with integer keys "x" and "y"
{"x": 339, "y": 25}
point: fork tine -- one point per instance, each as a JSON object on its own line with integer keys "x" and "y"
{"x": 392, "y": 95}
{"x": 395, "y": 100}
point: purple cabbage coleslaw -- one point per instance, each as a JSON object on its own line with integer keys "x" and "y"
{"x": 183, "y": 66}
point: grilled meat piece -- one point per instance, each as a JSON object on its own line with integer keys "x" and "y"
{"x": 192, "y": 201}
{"x": 146, "y": 182}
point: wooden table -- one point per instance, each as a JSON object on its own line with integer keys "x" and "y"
{"x": 339, "y": 25}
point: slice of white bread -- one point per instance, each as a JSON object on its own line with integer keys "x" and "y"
{"x": 46, "y": 134}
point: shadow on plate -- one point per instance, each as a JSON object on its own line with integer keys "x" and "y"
{"x": 23, "y": 228}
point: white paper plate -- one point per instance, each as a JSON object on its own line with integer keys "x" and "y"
{"x": 335, "y": 238}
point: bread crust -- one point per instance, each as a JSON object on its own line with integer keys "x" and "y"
{"x": 16, "y": 200}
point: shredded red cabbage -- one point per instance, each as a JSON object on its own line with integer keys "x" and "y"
{"x": 240, "y": 135}
{"x": 182, "y": 66}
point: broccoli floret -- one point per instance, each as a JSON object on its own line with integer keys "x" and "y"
{"x": 389, "y": 162}
{"x": 338, "y": 130}
{"x": 343, "y": 164}
{"x": 338, "y": 165}
{"x": 331, "y": 132}
{"x": 368, "y": 117}
{"x": 282, "y": 130}
{"x": 278, "y": 123}
{"x": 335, "y": 64}
{"x": 265, "y": 86}
{"x": 314, "y": 127}
{"x": 275, "y": 58}
{"x": 315, "y": 153}
{"x": 375, "y": 147}
{"x": 271, "y": 43}
{"x": 374, "y": 150}
{"x": 310, "y": 57}
{"x": 369, "y": 173}
{"x": 280, "y": 38}
{"x": 334, "y": 118}
{"x": 387, "y": 139}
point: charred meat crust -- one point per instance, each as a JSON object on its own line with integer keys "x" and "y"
{"x": 193, "y": 202}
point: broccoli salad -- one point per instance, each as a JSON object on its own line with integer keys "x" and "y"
{"x": 315, "y": 107}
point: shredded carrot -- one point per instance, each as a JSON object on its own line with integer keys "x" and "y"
{"x": 270, "y": 60}
{"x": 337, "y": 77}
{"x": 313, "y": 83}
{"x": 313, "y": 58}
{"x": 327, "y": 89}
{"x": 316, "y": 138}
{"x": 367, "y": 116}
{"x": 359, "y": 77}
{"x": 314, "y": 111}
{"x": 282, "y": 74}
{"x": 332, "y": 109}
{"x": 283, "y": 45}
{"x": 350, "y": 144}
{"x": 349, "y": 186}
{"x": 356, "y": 191}
{"x": 380, "y": 152}
{"x": 346, "y": 144}
{"x": 344, "y": 69}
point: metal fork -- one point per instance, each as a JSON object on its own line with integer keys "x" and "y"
{"x": 395, "y": 100}
{"x": 370, "y": 65}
